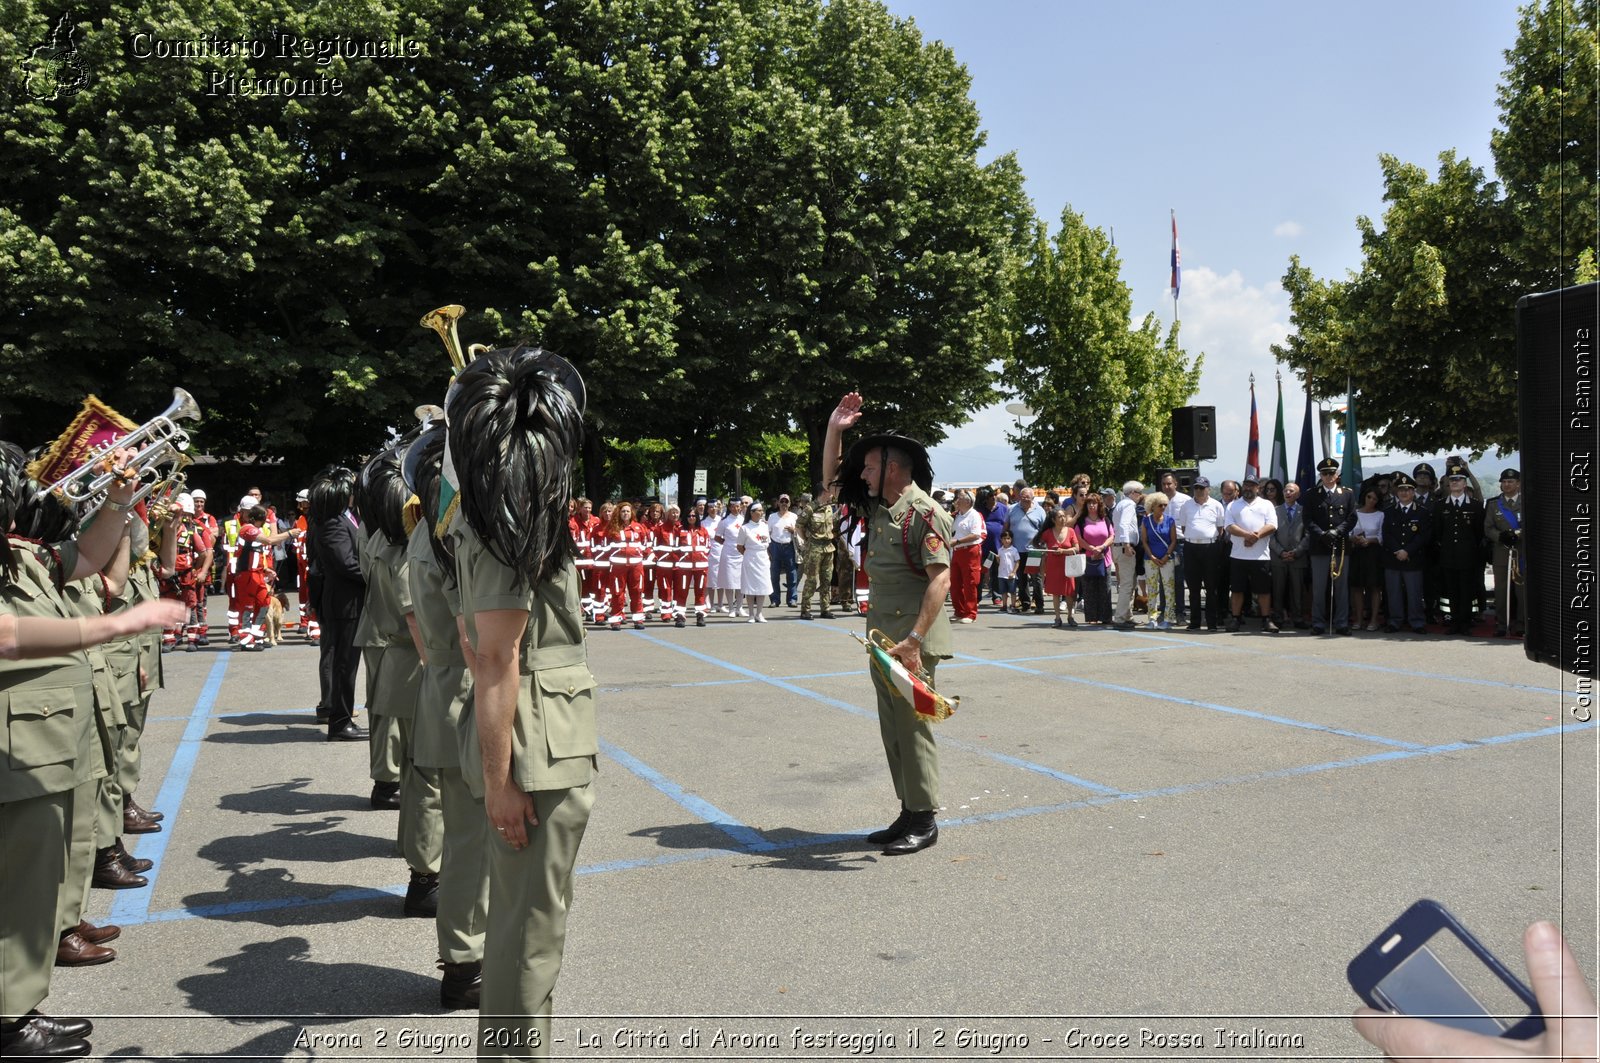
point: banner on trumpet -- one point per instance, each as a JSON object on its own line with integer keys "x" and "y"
{"x": 96, "y": 426}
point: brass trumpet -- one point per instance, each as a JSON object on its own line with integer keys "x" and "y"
{"x": 160, "y": 458}
{"x": 443, "y": 321}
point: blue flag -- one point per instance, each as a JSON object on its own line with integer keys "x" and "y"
{"x": 1305, "y": 467}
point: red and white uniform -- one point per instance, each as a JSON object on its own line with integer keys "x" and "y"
{"x": 598, "y": 581}
{"x": 652, "y": 529}
{"x": 251, "y": 590}
{"x": 187, "y": 583}
{"x": 693, "y": 567}
{"x": 308, "y": 612}
{"x": 630, "y": 544}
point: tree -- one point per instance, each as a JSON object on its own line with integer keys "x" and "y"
{"x": 1424, "y": 331}
{"x": 1103, "y": 392}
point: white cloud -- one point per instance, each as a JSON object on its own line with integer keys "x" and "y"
{"x": 1289, "y": 229}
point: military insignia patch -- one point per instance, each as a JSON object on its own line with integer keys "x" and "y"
{"x": 932, "y": 544}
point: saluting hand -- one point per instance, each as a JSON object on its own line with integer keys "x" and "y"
{"x": 847, "y": 413}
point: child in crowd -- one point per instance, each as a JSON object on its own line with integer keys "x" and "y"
{"x": 1008, "y": 559}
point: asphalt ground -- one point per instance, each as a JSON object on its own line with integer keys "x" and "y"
{"x": 1157, "y": 845}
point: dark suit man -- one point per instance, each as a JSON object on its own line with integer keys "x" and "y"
{"x": 340, "y": 592}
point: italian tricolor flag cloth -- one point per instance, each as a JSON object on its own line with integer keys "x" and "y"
{"x": 926, "y": 702}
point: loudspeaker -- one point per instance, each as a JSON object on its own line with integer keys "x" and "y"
{"x": 1556, "y": 363}
{"x": 1194, "y": 432}
{"x": 1185, "y": 477}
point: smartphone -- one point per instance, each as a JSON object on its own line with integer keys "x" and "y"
{"x": 1428, "y": 965}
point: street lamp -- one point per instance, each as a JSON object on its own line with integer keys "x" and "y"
{"x": 1019, "y": 410}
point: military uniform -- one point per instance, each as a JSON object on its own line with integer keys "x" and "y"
{"x": 1329, "y": 514}
{"x": 554, "y": 745}
{"x": 814, "y": 533}
{"x": 902, "y": 541}
{"x": 49, "y": 752}
{"x": 394, "y": 676}
{"x": 446, "y": 685}
{"x": 1502, "y": 526}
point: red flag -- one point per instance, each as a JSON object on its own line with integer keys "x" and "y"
{"x": 1252, "y": 460}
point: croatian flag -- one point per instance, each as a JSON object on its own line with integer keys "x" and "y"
{"x": 1252, "y": 460}
{"x": 1177, "y": 267}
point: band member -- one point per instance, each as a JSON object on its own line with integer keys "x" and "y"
{"x": 1502, "y": 526}
{"x": 515, "y": 432}
{"x": 1330, "y": 513}
{"x": 907, "y": 558}
{"x": 43, "y": 666}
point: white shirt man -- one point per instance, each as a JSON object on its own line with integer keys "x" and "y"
{"x": 1125, "y": 537}
{"x": 1251, "y": 522}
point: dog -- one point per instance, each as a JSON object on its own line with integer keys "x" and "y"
{"x": 274, "y": 622}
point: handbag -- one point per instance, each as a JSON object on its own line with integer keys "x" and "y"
{"x": 1073, "y": 565}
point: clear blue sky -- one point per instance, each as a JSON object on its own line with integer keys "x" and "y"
{"x": 1259, "y": 123}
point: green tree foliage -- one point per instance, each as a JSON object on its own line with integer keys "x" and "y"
{"x": 1424, "y": 331}
{"x": 724, "y": 214}
{"x": 1103, "y": 392}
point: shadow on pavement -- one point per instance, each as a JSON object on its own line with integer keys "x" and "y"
{"x": 294, "y": 995}
{"x": 290, "y": 799}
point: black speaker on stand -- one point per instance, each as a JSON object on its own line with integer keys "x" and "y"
{"x": 1194, "y": 433}
{"x": 1559, "y": 394}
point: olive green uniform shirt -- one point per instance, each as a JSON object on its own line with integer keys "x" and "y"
{"x": 896, "y": 587}
{"x": 446, "y": 682}
{"x": 555, "y": 740}
{"x": 50, "y": 731}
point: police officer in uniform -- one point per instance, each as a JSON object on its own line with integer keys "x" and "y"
{"x": 1502, "y": 526}
{"x": 814, "y": 534}
{"x": 907, "y": 560}
{"x": 1330, "y": 513}
{"x": 1458, "y": 542}
{"x": 1407, "y": 530}
{"x": 529, "y": 737}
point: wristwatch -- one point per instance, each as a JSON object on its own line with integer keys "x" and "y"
{"x": 914, "y": 635}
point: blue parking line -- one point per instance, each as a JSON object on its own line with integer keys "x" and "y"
{"x": 820, "y": 840}
{"x": 133, "y": 906}
{"x": 872, "y": 714}
{"x": 747, "y": 836}
{"x": 1268, "y": 717}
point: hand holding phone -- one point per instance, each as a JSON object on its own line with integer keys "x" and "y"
{"x": 1437, "y": 967}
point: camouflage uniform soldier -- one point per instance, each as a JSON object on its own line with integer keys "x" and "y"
{"x": 814, "y": 534}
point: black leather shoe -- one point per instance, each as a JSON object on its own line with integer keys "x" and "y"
{"x": 699, "y": 620}
{"x": 350, "y": 732}
{"x": 1193, "y": 625}
{"x": 1233, "y": 623}
{"x": 461, "y": 986}
{"x": 63, "y": 1027}
{"x": 827, "y": 614}
{"x": 138, "y": 865}
{"x": 1342, "y": 630}
{"x": 422, "y": 896}
{"x": 677, "y": 622}
{"x": 34, "y": 1036}
{"x": 922, "y": 833}
{"x": 894, "y": 831}
{"x": 1319, "y": 631}
{"x": 109, "y": 874}
{"x": 386, "y": 795}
